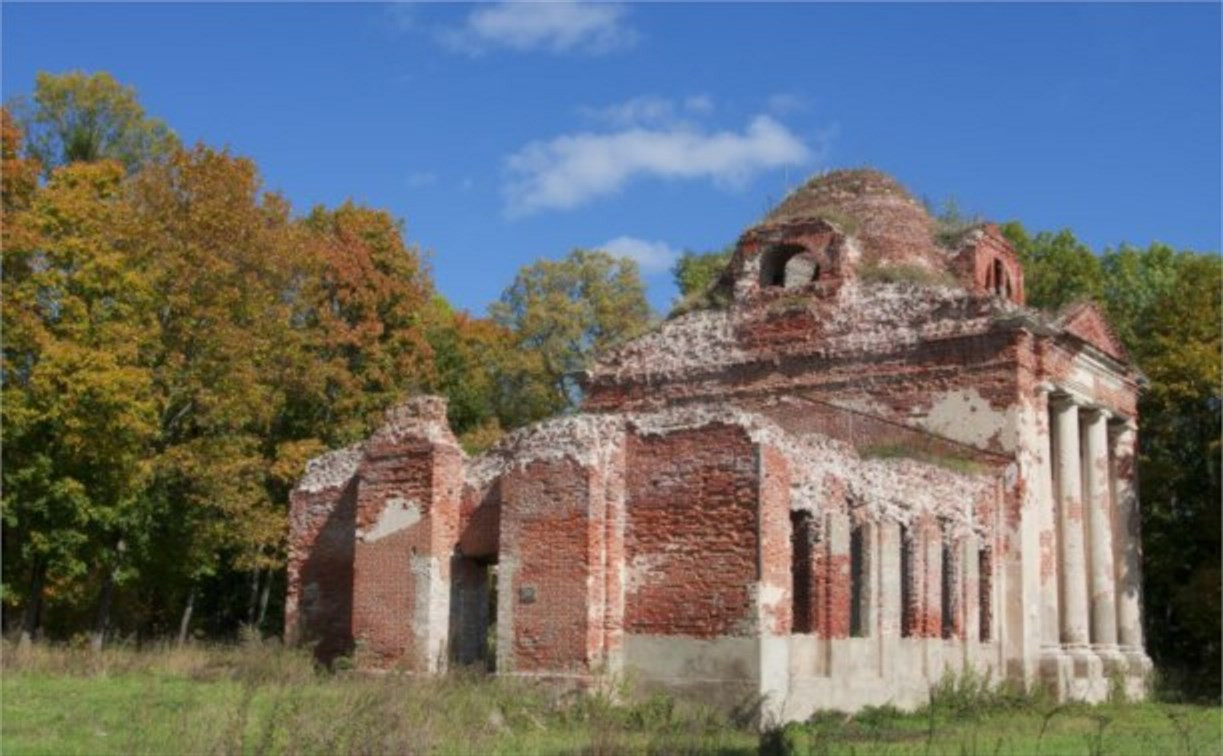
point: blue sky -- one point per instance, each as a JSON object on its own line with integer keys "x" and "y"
{"x": 502, "y": 134}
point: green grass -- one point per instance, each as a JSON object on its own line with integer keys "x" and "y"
{"x": 914, "y": 274}
{"x": 260, "y": 699}
{"x": 901, "y": 450}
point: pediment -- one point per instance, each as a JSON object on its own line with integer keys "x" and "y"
{"x": 1086, "y": 321}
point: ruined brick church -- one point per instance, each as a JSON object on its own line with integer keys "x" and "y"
{"x": 856, "y": 464}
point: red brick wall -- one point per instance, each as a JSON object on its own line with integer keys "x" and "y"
{"x": 384, "y": 593}
{"x": 546, "y": 534}
{"x": 691, "y": 535}
{"x": 318, "y": 607}
{"x": 391, "y": 572}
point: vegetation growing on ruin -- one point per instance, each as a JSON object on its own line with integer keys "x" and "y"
{"x": 951, "y": 223}
{"x": 914, "y": 274}
{"x": 259, "y": 698}
{"x": 943, "y": 458}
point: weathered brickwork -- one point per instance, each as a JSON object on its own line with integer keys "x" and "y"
{"x": 691, "y": 570}
{"x": 870, "y": 465}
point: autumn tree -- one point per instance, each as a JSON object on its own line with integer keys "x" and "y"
{"x": 561, "y": 313}
{"x": 474, "y": 365}
{"x": 220, "y": 255}
{"x": 78, "y": 402}
{"x": 80, "y": 117}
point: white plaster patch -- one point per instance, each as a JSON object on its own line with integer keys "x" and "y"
{"x": 771, "y": 595}
{"x": 966, "y": 416}
{"x": 397, "y": 514}
{"x": 642, "y": 570}
{"x": 431, "y": 620}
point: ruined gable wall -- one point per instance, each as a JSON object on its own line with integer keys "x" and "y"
{"x": 407, "y": 511}
{"x": 322, "y": 523}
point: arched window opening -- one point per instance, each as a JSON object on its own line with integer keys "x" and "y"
{"x": 788, "y": 266}
{"x": 999, "y": 276}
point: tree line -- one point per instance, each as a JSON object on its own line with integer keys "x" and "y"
{"x": 178, "y": 342}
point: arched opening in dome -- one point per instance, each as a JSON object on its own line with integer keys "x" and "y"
{"x": 1001, "y": 282}
{"x": 788, "y": 266}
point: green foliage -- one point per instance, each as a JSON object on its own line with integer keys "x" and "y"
{"x": 951, "y": 222}
{"x": 696, "y": 272}
{"x": 561, "y": 314}
{"x": 79, "y": 117}
{"x": 1058, "y": 268}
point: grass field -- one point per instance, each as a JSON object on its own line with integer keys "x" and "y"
{"x": 260, "y": 699}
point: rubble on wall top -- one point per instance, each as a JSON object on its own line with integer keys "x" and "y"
{"x": 422, "y": 416}
{"x": 331, "y": 470}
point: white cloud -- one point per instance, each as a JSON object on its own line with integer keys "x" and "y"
{"x": 573, "y": 169}
{"x": 699, "y": 104}
{"x": 557, "y": 27}
{"x": 649, "y": 110}
{"x": 652, "y": 256}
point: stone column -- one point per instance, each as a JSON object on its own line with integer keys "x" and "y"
{"x": 1128, "y": 544}
{"x": 1099, "y": 527}
{"x": 1073, "y": 567}
{"x": 1042, "y": 485}
{"x": 890, "y": 577}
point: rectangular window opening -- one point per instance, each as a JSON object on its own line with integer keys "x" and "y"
{"x": 985, "y": 585}
{"x": 801, "y": 572}
{"x": 859, "y": 595}
{"x": 949, "y": 590}
{"x": 907, "y": 609}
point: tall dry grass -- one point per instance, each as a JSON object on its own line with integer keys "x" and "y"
{"x": 257, "y": 697}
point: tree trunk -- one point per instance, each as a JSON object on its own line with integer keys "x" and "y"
{"x": 252, "y": 604}
{"x": 269, "y": 576}
{"x": 32, "y": 611}
{"x": 102, "y": 621}
{"x": 185, "y": 624}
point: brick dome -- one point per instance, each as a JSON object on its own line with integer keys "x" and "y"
{"x": 890, "y": 226}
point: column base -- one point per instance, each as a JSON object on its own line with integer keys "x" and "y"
{"x": 1087, "y": 681}
{"x": 1139, "y": 668}
{"x": 1055, "y": 671}
{"x": 1113, "y": 661}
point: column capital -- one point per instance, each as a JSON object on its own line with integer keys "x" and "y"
{"x": 1120, "y": 425}
{"x": 1045, "y": 387}
{"x": 1061, "y": 400}
{"x": 1095, "y": 411}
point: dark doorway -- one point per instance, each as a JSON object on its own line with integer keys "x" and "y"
{"x": 473, "y": 613}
